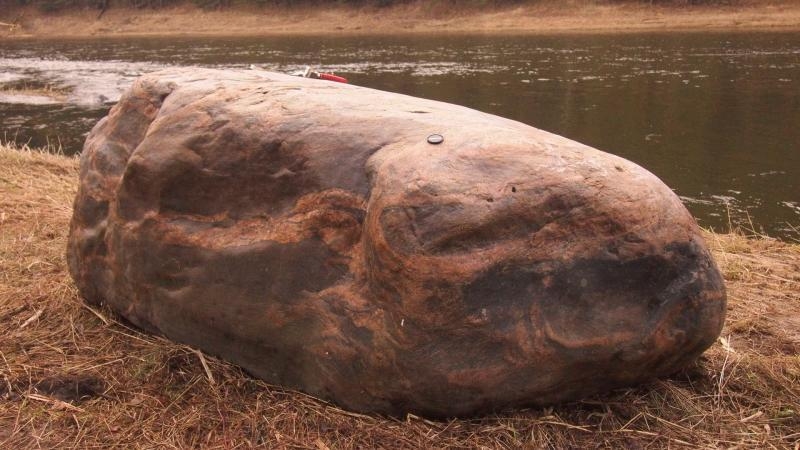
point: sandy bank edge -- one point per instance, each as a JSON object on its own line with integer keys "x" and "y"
{"x": 409, "y": 19}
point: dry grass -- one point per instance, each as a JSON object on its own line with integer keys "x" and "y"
{"x": 76, "y": 377}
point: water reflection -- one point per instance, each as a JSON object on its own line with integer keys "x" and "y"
{"x": 714, "y": 115}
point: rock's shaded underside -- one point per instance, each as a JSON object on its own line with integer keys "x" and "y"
{"x": 306, "y": 231}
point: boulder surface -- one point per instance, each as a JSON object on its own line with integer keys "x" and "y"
{"x": 309, "y": 232}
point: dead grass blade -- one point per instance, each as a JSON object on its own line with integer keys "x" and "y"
{"x": 74, "y": 376}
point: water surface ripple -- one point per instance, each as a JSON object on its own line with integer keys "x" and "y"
{"x": 715, "y": 115}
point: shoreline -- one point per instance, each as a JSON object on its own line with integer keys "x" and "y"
{"x": 407, "y": 19}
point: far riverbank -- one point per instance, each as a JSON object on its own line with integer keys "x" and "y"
{"x": 413, "y": 18}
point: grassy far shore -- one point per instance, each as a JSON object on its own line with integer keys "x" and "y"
{"x": 73, "y": 376}
{"x": 546, "y": 16}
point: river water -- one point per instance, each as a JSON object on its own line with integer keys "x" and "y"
{"x": 714, "y": 115}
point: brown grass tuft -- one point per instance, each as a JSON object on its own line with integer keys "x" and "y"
{"x": 73, "y": 376}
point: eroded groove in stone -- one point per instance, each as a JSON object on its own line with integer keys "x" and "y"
{"x": 308, "y": 232}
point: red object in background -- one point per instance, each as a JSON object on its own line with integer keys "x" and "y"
{"x": 332, "y": 77}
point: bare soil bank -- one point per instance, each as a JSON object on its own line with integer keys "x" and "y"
{"x": 574, "y": 16}
{"x": 77, "y": 377}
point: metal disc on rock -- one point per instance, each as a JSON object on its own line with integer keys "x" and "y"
{"x": 435, "y": 139}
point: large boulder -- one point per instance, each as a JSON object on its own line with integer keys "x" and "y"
{"x": 309, "y": 232}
